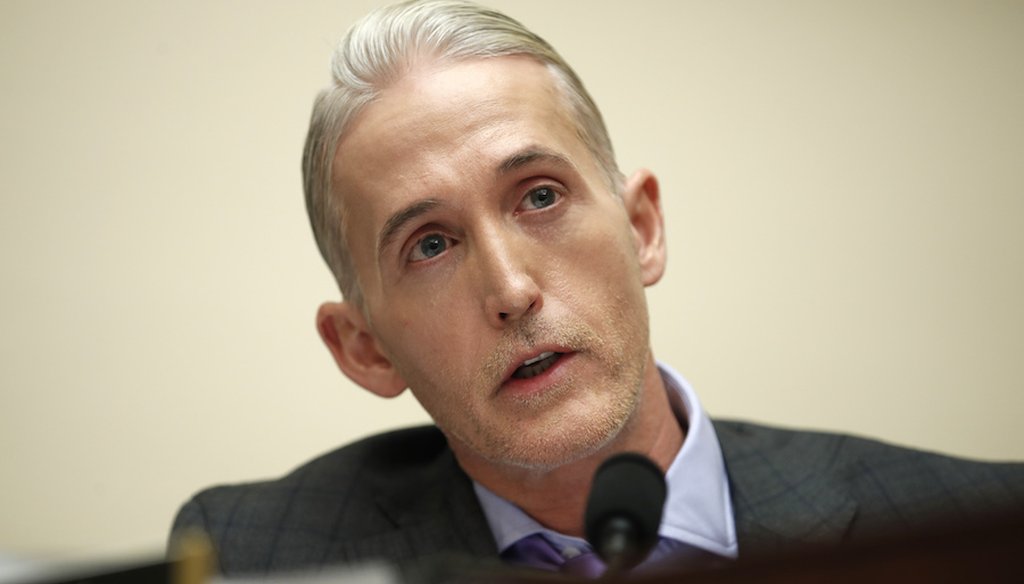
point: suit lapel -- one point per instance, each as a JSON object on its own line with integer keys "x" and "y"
{"x": 781, "y": 499}
{"x": 439, "y": 514}
{"x": 431, "y": 510}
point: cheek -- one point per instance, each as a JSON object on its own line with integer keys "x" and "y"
{"x": 608, "y": 276}
{"x": 601, "y": 250}
{"x": 431, "y": 342}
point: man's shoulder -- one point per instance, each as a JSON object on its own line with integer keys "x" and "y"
{"x": 352, "y": 503}
{"x": 774, "y": 471}
{"x": 819, "y": 450}
{"x": 376, "y": 461}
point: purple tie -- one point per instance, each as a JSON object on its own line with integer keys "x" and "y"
{"x": 585, "y": 565}
{"x": 536, "y": 552}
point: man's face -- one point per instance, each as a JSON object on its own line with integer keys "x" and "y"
{"x": 499, "y": 275}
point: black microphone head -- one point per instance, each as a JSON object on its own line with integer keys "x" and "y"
{"x": 624, "y": 508}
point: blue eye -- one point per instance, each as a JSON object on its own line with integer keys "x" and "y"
{"x": 430, "y": 246}
{"x": 541, "y": 197}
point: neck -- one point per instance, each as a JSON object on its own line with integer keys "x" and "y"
{"x": 557, "y": 498}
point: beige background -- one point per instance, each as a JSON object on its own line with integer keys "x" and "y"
{"x": 843, "y": 181}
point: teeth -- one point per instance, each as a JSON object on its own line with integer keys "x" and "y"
{"x": 536, "y": 366}
{"x": 538, "y": 358}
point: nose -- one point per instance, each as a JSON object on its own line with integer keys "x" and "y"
{"x": 509, "y": 288}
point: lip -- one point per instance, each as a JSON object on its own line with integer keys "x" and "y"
{"x": 538, "y": 382}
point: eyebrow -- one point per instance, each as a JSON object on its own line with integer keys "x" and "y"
{"x": 531, "y": 155}
{"x": 396, "y": 221}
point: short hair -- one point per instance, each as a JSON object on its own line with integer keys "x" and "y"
{"x": 377, "y": 51}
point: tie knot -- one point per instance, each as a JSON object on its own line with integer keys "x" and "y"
{"x": 536, "y": 551}
{"x": 584, "y": 565}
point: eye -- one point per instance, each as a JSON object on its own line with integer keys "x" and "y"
{"x": 429, "y": 246}
{"x": 539, "y": 198}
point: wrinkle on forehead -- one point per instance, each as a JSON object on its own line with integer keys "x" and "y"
{"x": 451, "y": 114}
{"x": 438, "y": 97}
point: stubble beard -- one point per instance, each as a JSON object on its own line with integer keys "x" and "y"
{"x": 563, "y": 424}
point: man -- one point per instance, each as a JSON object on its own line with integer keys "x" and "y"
{"x": 492, "y": 260}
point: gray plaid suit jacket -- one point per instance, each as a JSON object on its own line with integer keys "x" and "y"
{"x": 401, "y": 497}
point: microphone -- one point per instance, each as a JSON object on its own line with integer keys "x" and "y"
{"x": 624, "y": 510}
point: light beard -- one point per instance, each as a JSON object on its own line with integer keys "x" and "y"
{"x": 563, "y": 424}
{"x": 562, "y": 437}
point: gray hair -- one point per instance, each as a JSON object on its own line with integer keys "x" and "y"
{"x": 385, "y": 45}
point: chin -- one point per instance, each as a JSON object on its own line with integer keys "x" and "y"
{"x": 544, "y": 458}
{"x": 557, "y": 440}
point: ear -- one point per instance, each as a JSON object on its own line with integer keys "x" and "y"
{"x": 344, "y": 330}
{"x": 642, "y": 201}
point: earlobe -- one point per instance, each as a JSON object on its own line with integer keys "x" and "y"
{"x": 344, "y": 330}
{"x": 642, "y": 199}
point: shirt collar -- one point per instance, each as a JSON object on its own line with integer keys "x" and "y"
{"x": 698, "y": 510}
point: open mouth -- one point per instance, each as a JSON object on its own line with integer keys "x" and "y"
{"x": 535, "y": 366}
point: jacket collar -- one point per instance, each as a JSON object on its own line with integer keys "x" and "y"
{"x": 782, "y": 491}
{"x": 437, "y": 512}
{"x": 427, "y": 503}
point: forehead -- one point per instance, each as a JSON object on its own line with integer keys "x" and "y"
{"x": 444, "y": 125}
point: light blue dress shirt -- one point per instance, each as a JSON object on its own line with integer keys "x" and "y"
{"x": 698, "y": 515}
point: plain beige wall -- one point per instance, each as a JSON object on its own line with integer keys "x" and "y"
{"x": 844, "y": 184}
